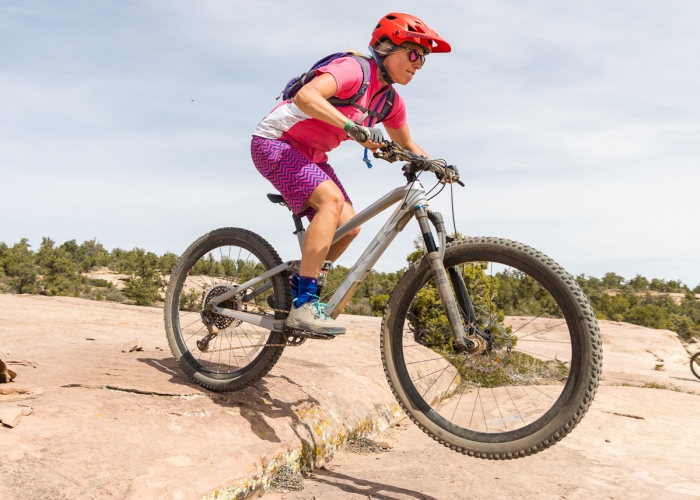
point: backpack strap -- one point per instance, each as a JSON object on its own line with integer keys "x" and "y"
{"x": 366, "y": 75}
{"x": 388, "y": 105}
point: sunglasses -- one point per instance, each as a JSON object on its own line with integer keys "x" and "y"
{"x": 415, "y": 55}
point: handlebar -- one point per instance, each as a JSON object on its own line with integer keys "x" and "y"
{"x": 391, "y": 152}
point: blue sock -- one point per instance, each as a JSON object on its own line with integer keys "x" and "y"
{"x": 307, "y": 291}
{"x": 294, "y": 282}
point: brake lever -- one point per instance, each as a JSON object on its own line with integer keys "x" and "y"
{"x": 441, "y": 177}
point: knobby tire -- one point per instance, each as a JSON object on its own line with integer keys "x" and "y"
{"x": 423, "y": 383}
{"x": 241, "y": 354}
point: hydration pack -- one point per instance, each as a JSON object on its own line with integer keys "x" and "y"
{"x": 376, "y": 115}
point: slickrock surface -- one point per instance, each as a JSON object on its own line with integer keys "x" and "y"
{"x": 98, "y": 422}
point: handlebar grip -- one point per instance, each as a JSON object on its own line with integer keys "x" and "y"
{"x": 361, "y": 137}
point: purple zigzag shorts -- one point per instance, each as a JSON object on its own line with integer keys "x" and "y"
{"x": 291, "y": 173}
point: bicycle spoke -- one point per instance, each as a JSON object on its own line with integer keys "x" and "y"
{"x": 235, "y": 344}
{"x": 533, "y": 353}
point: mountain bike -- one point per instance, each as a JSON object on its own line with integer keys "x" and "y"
{"x": 488, "y": 345}
{"x": 695, "y": 364}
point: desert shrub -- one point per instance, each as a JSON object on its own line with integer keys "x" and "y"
{"x": 19, "y": 270}
{"x": 372, "y": 295}
{"x": 166, "y": 263}
{"x": 378, "y": 304}
{"x": 518, "y": 369}
{"x": 358, "y": 306}
{"x": 61, "y": 274}
{"x": 99, "y": 283}
{"x": 114, "y": 295}
{"x": 644, "y": 302}
{"x": 191, "y": 301}
{"x": 144, "y": 291}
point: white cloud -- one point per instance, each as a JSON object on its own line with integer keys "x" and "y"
{"x": 575, "y": 125}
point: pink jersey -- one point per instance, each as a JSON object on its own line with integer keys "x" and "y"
{"x": 313, "y": 137}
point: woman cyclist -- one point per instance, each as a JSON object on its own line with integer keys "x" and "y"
{"x": 290, "y": 146}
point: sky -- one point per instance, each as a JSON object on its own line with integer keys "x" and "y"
{"x": 575, "y": 125}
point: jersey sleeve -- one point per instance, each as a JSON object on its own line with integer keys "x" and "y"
{"x": 348, "y": 76}
{"x": 397, "y": 116}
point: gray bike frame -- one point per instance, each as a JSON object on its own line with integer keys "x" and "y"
{"x": 415, "y": 205}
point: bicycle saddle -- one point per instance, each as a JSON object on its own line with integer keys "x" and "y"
{"x": 275, "y": 198}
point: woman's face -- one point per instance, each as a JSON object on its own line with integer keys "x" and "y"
{"x": 399, "y": 65}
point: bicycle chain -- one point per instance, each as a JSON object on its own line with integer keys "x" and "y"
{"x": 295, "y": 342}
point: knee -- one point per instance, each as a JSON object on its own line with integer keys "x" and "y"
{"x": 353, "y": 234}
{"x": 332, "y": 203}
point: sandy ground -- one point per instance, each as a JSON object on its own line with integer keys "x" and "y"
{"x": 633, "y": 443}
{"x": 108, "y": 424}
{"x": 640, "y": 439}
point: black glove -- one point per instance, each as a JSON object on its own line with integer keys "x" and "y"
{"x": 364, "y": 134}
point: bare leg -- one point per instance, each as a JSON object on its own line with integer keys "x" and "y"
{"x": 331, "y": 212}
{"x": 342, "y": 244}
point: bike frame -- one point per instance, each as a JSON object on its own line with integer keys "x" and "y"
{"x": 414, "y": 204}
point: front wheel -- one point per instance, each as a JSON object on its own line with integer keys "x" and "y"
{"x": 695, "y": 364}
{"x": 535, "y": 358}
{"x": 234, "y": 354}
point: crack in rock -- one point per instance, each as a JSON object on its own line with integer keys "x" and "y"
{"x": 155, "y": 393}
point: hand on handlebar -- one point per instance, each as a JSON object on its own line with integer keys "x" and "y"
{"x": 450, "y": 175}
{"x": 391, "y": 152}
{"x": 370, "y": 137}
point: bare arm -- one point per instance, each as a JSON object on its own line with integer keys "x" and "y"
{"x": 402, "y": 136}
{"x": 311, "y": 99}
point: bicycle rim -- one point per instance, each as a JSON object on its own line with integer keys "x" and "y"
{"x": 212, "y": 266}
{"x": 695, "y": 364}
{"x": 523, "y": 381}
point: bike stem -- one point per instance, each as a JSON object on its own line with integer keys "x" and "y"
{"x": 435, "y": 259}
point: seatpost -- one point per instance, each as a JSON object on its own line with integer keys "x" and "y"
{"x": 300, "y": 231}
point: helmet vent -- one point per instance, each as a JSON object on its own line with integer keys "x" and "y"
{"x": 391, "y": 18}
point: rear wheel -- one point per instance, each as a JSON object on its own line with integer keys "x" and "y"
{"x": 695, "y": 364}
{"x": 535, "y": 359}
{"x": 239, "y": 353}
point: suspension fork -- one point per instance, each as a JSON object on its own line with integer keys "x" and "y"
{"x": 463, "y": 301}
{"x": 435, "y": 259}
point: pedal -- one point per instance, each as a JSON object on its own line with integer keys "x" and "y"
{"x": 309, "y": 335}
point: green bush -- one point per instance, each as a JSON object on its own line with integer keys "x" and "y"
{"x": 57, "y": 270}
{"x": 191, "y": 301}
{"x": 18, "y": 264}
{"x": 61, "y": 273}
{"x": 99, "y": 283}
{"x": 144, "y": 291}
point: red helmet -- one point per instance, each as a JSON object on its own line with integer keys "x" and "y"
{"x": 401, "y": 28}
